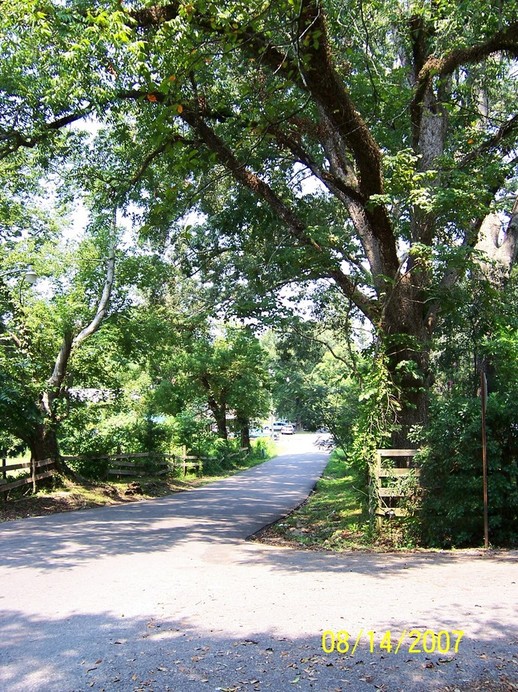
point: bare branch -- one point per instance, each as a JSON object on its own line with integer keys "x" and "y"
{"x": 102, "y": 307}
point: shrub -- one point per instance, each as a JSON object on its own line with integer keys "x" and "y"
{"x": 452, "y": 511}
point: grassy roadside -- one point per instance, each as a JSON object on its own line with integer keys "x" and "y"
{"x": 332, "y": 518}
{"x": 335, "y": 518}
{"x": 65, "y": 495}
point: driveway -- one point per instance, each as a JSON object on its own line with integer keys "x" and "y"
{"x": 167, "y": 595}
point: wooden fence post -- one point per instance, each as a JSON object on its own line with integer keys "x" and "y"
{"x": 4, "y": 477}
{"x": 33, "y": 475}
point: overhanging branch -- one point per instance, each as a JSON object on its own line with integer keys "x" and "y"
{"x": 504, "y": 41}
{"x": 15, "y": 139}
{"x": 260, "y": 188}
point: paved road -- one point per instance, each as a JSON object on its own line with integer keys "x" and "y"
{"x": 166, "y": 595}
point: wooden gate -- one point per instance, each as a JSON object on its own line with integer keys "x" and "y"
{"x": 392, "y": 467}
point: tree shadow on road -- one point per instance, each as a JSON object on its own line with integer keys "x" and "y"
{"x": 225, "y": 511}
{"x": 102, "y": 651}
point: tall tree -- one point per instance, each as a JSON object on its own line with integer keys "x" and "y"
{"x": 404, "y": 112}
{"x": 40, "y": 335}
{"x": 224, "y": 367}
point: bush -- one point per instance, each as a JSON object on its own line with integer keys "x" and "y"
{"x": 88, "y": 439}
{"x": 191, "y": 432}
{"x": 452, "y": 511}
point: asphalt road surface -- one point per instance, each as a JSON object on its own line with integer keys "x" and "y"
{"x": 168, "y": 595}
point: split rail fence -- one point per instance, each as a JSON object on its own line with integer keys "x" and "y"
{"x": 140, "y": 464}
{"x": 135, "y": 465}
{"x": 35, "y": 473}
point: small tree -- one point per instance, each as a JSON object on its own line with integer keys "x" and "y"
{"x": 226, "y": 370}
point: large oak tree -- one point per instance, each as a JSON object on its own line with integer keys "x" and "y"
{"x": 404, "y": 112}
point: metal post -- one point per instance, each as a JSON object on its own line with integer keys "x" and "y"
{"x": 483, "y": 395}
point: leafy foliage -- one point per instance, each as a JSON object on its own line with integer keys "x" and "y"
{"x": 484, "y": 338}
{"x": 452, "y": 513}
{"x": 358, "y": 148}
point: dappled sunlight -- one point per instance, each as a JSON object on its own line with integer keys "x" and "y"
{"x": 167, "y": 594}
{"x": 164, "y": 653}
{"x": 227, "y": 510}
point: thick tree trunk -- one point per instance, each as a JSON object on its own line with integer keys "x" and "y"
{"x": 414, "y": 395}
{"x": 244, "y": 426}
{"x": 43, "y": 442}
{"x": 220, "y": 416}
{"x": 217, "y": 407}
{"x": 406, "y": 340}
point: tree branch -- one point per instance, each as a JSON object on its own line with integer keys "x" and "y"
{"x": 102, "y": 307}
{"x": 341, "y": 182}
{"x": 327, "y": 88}
{"x": 503, "y": 132}
{"x": 314, "y": 73}
{"x": 59, "y": 372}
{"x": 256, "y": 185}
{"x": 16, "y": 139}
{"x": 504, "y": 41}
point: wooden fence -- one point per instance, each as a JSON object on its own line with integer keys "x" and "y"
{"x": 35, "y": 473}
{"x": 155, "y": 463}
{"x": 158, "y": 464}
{"x": 135, "y": 465}
{"x": 140, "y": 464}
{"x": 392, "y": 467}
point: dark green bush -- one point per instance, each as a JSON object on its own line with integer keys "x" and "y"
{"x": 452, "y": 510}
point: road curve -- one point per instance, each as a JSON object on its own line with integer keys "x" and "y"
{"x": 167, "y": 595}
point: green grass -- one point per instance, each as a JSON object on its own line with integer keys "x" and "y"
{"x": 332, "y": 518}
{"x": 335, "y": 517}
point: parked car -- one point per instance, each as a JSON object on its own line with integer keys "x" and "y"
{"x": 287, "y": 429}
{"x": 279, "y": 425}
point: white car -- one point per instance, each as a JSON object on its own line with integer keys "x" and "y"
{"x": 287, "y": 429}
{"x": 278, "y": 426}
